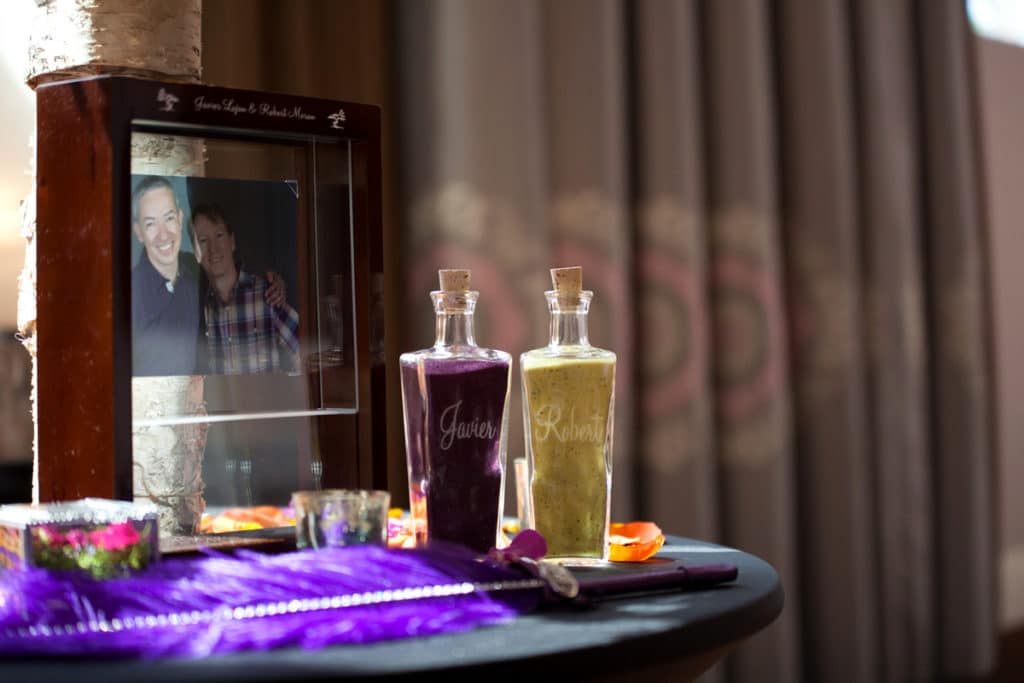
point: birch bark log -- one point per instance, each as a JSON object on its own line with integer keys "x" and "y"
{"x": 148, "y": 38}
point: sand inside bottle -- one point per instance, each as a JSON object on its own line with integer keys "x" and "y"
{"x": 568, "y": 401}
{"x": 455, "y": 411}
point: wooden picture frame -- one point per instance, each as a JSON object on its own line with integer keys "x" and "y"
{"x": 84, "y": 278}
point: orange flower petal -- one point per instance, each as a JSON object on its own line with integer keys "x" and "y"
{"x": 634, "y": 541}
{"x": 635, "y": 552}
{"x": 244, "y": 519}
{"x": 644, "y": 532}
{"x": 623, "y": 540}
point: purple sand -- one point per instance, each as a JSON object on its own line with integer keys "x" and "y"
{"x": 454, "y": 462}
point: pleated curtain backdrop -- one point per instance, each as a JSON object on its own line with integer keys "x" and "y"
{"x": 777, "y": 205}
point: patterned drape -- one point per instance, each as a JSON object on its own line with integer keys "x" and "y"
{"x": 777, "y": 205}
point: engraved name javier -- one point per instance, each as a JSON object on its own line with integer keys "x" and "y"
{"x": 452, "y": 429}
{"x": 234, "y": 107}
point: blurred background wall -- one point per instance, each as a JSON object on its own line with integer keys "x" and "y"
{"x": 1001, "y": 64}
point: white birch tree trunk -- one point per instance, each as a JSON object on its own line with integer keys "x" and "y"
{"x": 151, "y": 38}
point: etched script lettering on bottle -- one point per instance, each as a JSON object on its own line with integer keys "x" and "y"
{"x": 548, "y": 422}
{"x": 452, "y": 428}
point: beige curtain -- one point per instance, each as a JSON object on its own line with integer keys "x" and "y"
{"x": 777, "y": 205}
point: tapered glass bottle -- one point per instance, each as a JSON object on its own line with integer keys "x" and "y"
{"x": 568, "y": 410}
{"x": 455, "y": 404}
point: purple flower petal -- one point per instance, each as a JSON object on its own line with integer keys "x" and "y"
{"x": 529, "y": 543}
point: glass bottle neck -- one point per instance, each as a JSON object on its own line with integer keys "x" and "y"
{"x": 453, "y": 313}
{"x": 569, "y": 318}
{"x": 454, "y": 328}
{"x": 569, "y": 328}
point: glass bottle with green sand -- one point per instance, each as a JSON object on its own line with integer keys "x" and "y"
{"x": 568, "y": 408}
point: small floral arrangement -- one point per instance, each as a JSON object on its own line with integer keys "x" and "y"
{"x": 103, "y": 551}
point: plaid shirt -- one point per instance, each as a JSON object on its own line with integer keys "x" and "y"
{"x": 246, "y": 335}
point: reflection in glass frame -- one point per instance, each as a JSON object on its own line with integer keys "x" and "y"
{"x": 335, "y": 389}
{"x": 281, "y": 304}
{"x": 219, "y": 246}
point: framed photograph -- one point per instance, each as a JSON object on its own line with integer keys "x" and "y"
{"x": 226, "y": 242}
{"x": 210, "y": 268}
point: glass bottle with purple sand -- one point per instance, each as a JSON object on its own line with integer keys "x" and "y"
{"x": 455, "y": 406}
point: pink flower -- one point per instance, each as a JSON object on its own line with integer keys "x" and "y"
{"x": 76, "y": 538}
{"x": 50, "y": 536}
{"x": 115, "y": 536}
{"x": 395, "y": 527}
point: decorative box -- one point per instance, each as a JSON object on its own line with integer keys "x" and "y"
{"x": 103, "y": 538}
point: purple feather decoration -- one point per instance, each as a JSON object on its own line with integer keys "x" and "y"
{"x": 218, "y": 604}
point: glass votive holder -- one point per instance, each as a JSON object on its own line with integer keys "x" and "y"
{"x": 340, "y": 517}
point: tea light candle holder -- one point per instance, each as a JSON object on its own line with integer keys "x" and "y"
{"x": 340, "y": 517}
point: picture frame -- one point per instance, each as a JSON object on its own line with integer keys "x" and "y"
{"x": 87, "y": 247}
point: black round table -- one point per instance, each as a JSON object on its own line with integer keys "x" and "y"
{"x": 669, "y": 632}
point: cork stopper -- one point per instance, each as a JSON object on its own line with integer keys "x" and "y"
{"x": 567, "y": 280}
{"x": 454, "y": 280}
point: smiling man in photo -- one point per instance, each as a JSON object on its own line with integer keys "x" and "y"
{"x": 165, "y": 285}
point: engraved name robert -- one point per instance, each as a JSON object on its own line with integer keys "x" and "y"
{"x": 549, "y": 420}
